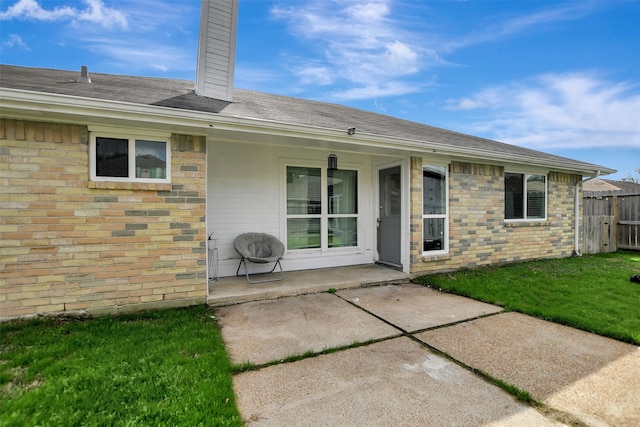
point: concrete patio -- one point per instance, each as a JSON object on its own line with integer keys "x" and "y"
{"x": 410, "y": 355}
{"x": 236, "y": 289}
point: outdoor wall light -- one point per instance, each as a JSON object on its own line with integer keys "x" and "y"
{"x": 332, "y": 162}
{"x": 351, "y": 131}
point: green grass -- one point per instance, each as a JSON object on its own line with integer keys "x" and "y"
{"x": 156, "y": 368}
{"x": 592, "y": 292}
{"x": 170, "y": 367}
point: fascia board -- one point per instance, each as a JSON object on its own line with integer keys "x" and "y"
{"x": 198, "y": 122}
{"x": 87, "y": 108}
{"x": 40, "y": 104}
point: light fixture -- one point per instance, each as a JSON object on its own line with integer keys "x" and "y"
{"x": 351, "y": 131}
{"x": 332, "y": 162}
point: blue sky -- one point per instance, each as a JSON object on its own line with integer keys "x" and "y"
{"x": 556, "y": 76}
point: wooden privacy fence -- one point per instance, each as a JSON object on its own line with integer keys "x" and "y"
{"x": 611, "y": 222}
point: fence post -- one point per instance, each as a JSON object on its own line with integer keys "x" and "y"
{"x": 614, "y": 226}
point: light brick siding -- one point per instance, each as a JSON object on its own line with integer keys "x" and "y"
{"x": 478, "y": 233}
{"x": 71, "y": 245}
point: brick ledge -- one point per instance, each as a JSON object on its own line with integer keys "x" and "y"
{"x": 431, "y": 258}
{"x": 527, "y": 224}
{"x": 142, "y": 186}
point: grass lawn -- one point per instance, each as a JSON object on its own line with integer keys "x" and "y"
{"x": 592, "y": 292}
{"x": 155, "y": 368}
{"x": 170, "y": 367}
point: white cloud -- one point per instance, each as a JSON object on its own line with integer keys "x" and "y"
{"x": 366, "y": 44}
{"x": 14, "y": 40}
{"x": 501, "y": 28}
{"x": 142, "y": 54}
{"x": 97, "y": 12}
{"x": 30, "y": 9}
{"x": 370, "y": 11}
{"x": 361, "y": 46}
{"x": 246, "y": 75}
{"x": 155, "y": 44}
{"x": 374, "y": 91}
{"x": 558, "y": 110}
{"x": 94, "y": 12}
{"x": 556, "y": 13}
{"x": 313, "y": 74}
{"x": 400, "y": 58}
{"x": 487, "y": 98}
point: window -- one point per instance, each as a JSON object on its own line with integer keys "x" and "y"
{"x": 304, "y": 207}
{"x": 525, "y": 196}
{"x": 435, "y": 224}
{"x": 322, "y": 208}
{"x": 116, "y": 156}
{"x": 342, "y": 193}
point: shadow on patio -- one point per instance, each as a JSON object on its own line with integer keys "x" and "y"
{"x": 233, "y": 290}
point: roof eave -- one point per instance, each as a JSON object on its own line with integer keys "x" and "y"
{"x": 72, "y": 109}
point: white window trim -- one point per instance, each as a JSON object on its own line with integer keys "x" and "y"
{"x": 445, "y": 249}
{"x": 131, "y": 136}
{"x": 524, "y": 207}
{"x": 324, "y": 214}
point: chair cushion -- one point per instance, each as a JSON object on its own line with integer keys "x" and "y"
{"x": 259, "y": 247}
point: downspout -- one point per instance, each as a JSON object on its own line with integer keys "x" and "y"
{"x": 576, "y": 215}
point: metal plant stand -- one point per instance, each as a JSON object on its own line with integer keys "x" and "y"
{"x": 212, "y": 252}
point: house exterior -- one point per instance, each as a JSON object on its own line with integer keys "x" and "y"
{"x": 112, "y": 187}
{"x": 607, "y": 187}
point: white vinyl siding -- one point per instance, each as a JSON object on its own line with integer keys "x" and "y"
{"x": 246, "y": 192}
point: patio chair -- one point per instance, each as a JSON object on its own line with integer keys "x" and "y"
{"x": 259, "y": 248}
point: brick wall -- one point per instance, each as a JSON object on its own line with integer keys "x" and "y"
{"x": 71, "y": 245}
{"x": 478, "y": 233}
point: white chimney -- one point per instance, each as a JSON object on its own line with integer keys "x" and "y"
{"x": 216, "y": 49}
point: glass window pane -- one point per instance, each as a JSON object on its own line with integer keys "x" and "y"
{"x": 434, "y": 190}
{"x": 303, "y": 233}
{"x": 514, "y": 195}
{"x": 342, "y": 188}
{"x": 536, "y": 196}
{"x": 390, "y": 191}
{"x": 303, "y": 191}
{"x": 151, "y": 159}
{"x": 343, "y": 232}
{"x": 112, "y": 157}
{"x": 433, "y": 232}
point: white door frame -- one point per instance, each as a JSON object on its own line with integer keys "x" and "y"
{"x": 405, "y": 228}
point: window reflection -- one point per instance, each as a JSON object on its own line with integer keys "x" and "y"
{"x": 112, "y": 157}
{"x": 151, "y": 159}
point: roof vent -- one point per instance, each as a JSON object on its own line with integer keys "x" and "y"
{"x": 84, "y": 75}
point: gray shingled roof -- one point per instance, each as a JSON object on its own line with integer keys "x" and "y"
{"x": 611, "y": 186}
{"x": 255, "y": 105}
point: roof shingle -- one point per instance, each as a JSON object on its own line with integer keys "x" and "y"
{"x": 255, "y": 105}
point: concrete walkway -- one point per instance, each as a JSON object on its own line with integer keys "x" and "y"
{"x": 408, "y": 355}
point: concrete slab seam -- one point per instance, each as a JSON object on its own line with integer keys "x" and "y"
{"x": 248, "y": 367}
{"x": 522, "y": 396}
